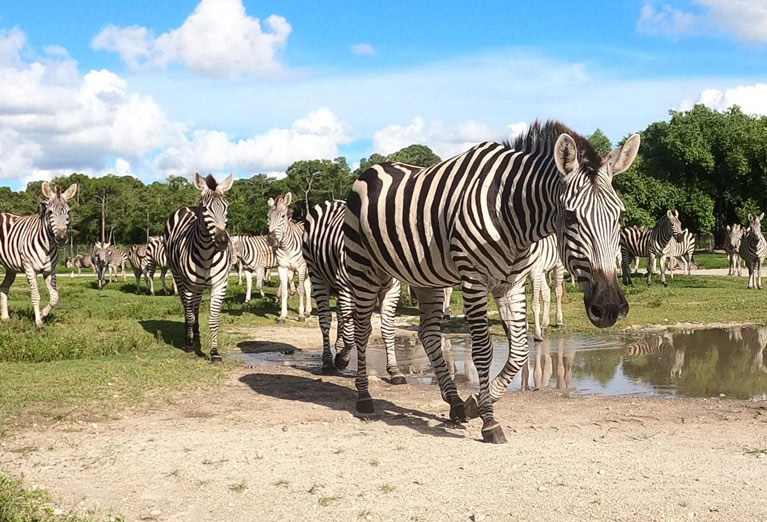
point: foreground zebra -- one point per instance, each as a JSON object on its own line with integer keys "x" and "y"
{"x": 137, "y": 257}
{"x": 157, "y": 257}
{"x": 100, "y": 261}
{"x": 682, "y": 250}
{"x": 254, "y": 254}
{"x": 286, "y": 238}
{"x": 323, "y": 249}
{"x": 198, "y": 254}
{"x": 732, "y": 241}
{"x": 753, "y": 249}
{"x": 30, "y": 244}
{"x": 640, "y": 242}
{"x": 79, "y": 262}
{"x": 472, "y": 220}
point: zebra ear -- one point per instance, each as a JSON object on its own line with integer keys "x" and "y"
{"x": 676, "y": 213}
{"x": 287, "y": 199}
{"x": 226, "y": 184}
{"x": 270, "y": 202}
{"x": 70, "y": 192}
{"x": 200, "y": 182}
{"x": 622, "y": 157}
{"x": 761, "y": 216}
{"x": 728, "y": 228}
{"x": 670, "y": 214}
{"x": 47, "y": 190}
{"x": 566, "y": 154}
{"x": 750, "y": 217}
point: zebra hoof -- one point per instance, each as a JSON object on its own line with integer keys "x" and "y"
{"x": 398, "y": 379}
{"x": 365, "y": 403}
{"x": 665, "y": 283}
{"x": 215, "y": 358}
{"x": 457, "y": 410}
{"x": 472, "y": 407}
{"x": 560, "y": 325}
{"x": 493, "y": 433}
{"x": 538, "y": 338}
{"x": 280, "y": 320}
{"x": 301, "y": 319}
{"x": 445, "y": 317}
{"x": 341, "y": 362}
{"x": 328, "y": 369}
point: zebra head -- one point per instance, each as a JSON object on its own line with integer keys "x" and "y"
{"x": 55, "y": 211}
{"x": 672, "y": 225}
{"x": 755, "y": 223}
{"x": 69, "y": 262}
{"x": 278, "y": 218}
{"x": 587, "y": 223}
{"x": 100, "y": 254}
{"x": 214, "y": 207}
{"x": 734, "y": 235}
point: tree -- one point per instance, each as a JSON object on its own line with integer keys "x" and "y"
{"x": 601, "y": 142}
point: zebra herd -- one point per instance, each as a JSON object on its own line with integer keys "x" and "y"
{"x": 486, "y": 220}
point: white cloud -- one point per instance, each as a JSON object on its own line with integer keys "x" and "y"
{"x": 752, "y": 99}
{"x": 744, "y": 19}
{"x": 363, "y": 48}
{"x": 318, "y": 135}
{"x": 667, "y": 20}
{"x": 217, "y": 39}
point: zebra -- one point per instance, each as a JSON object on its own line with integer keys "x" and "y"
{"x": 447, "y": 296}
{"x": 199, "y": 256}
{"x": 640, "y": 242}
{"x": 732, "y": 241}
{"x": 682, "y": 250}
{"x": 472, "y": 220}
{"x": 117, "y": 260}
{"x": 753, "y": 249}
{"x": 254, "y": 254}
{"x": 30, "y": 244}
{"x": 100, "y": 261}
{"x": 660, "y": 345}
{"x": 138, "y": 260}
{"x": 79, "y": 262}
{"x": 545, "y": 258}
{"x": 323, "y": 250}
{"x": 156, "y": 257}
{"x": 286, "y": 237}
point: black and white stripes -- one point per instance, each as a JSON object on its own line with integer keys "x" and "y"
{"x": 157, "y": 258}
{"x": 640, "y": 242}
{"x": 753, "y": 249}
{"x": 30, "y": 245}
{"x": 255, "y": 255}
{"x": 472, "y": 220}
{"x": 199, "y": 256}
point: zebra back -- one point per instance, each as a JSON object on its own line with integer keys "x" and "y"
{"x": 155, "y": 252}
{"x": 116, "y": 257}
{"x": 254, "y": 252}
{"x": 323, "y": 243}
{"x": 137, "y": 256}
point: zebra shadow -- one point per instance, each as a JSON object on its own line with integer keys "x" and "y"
{"x": 172, "y": 333}
{"x": 342, "y": 398}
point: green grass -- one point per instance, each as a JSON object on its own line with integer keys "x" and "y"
{"x": 709, "y": 260}
{"x": 20, "y": 505}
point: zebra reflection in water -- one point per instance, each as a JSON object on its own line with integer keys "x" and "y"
{"x": 543, "y": 368}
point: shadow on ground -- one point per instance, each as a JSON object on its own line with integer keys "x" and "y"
{"x": 173, "y": 333}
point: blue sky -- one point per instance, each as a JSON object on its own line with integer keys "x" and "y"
{"x": 161, "y": 88}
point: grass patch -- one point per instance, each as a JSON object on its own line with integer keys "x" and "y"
{"x": 327, "y": 501}
{"x": 386, "y": 488}
{"x": 756, "y": 451}
{"x": 20, "y": 505}
{"x": 239, "y": 487}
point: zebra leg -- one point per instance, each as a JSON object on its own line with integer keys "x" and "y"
{"x": 123, "y": 270}
{"x": 538, "y": 284}
{"x": 663, "y": 270}
{"x": 546, "y": 294}
{"x": 217, "y": 295}
{"x": 53, "y": 293}
{"x": 650, "y": 266}
{"x": 512, "y": 306}
{"x": 345, "y": 337}
{"x": 283, "y": 272}
{"x": 364, "y": 302}
{"x": 240, "y": 270}
{"x": 150, "y": 287}
{"x": 389, "y": 298}
{"x": 249, "y": 284}
{"x": 292, "y": 281}
{"x": 430, "y": 306}
{"x": 33, "y": 290}
{"x": 137, "y": 273}
{"x": 636, "y": 266}
{"x": 759, "y": 273}
{"x": 163, "y": 271}
{"x": 307, "y": 293}
{"x": 187, "y": 299}
{"x": 261, "y": 274}
{"x": 303, "y": 296}
{"x": 5, "y": 287}
{"x": 321, "y": 291}
{"x": 446, "y": 310}
{"x": 558, "y": 291}
{"x": 625, "y": 269}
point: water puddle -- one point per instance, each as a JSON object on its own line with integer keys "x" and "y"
{"x": 692, "y": 363}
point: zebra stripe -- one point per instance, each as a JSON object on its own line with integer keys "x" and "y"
{"x": 753, "y": 249}
{"x": 138, "y": 260}
{"x": 199, "y": 255}
{"x": 30, "y": 244}
{"x": 545, "y": 258}
{"x": 323, "y": 250}
{"x": 117, "y": 260}
{"x": 472, "y": 220}
{"x": 100, "y": 261}
{"x": 254, "y": 254}
{"x": 732, "y": 241}
{"x": 157, "y": 257}
{"x": 681, "y": 250}
{"x": 660, "y": 345}
{"x": 640, "y": 242}
{"x": 286, "y": 238}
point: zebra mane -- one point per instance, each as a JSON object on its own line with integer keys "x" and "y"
{"x": 546, "y": 134}
{"x": 210, "y": 181}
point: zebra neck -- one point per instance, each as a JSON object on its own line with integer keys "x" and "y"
{"x": 660, "y": 236}
{"x": 45, "y": 235}
{"x": 203, "y": 238}
{"x": 291, "y": 240}
{"x": 545, "y": 189}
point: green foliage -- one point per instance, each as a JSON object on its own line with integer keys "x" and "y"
{"x": 601, "y": 142}
{"x": 419, "y": 155}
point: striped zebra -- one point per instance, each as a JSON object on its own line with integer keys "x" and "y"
{"x": 138, "y": 260}
{"x": 472, "y": 220}
{"x": 254, "y": 254}
{"x": 660, "y": 345}
{"x": 79, "y": 262}
{"x": 545, "y": 258}
{"x": 679, "y": 250}
{"x": 753, "y": 249}
{"x": 732, "y": 241}
{"x": 156, "y": 257}
{"x": 286, "y": 238}
{"x": 640, "y": 242}
{"x": 30, "y": 244}
{"x": 447, "y": 296}
{"x": 199, "y": 256}
{"x": 117, "y": 260}
{"x": 100, "y": 261}
{"x": 323, "y": 249}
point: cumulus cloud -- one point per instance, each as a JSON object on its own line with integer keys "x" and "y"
{"x": 744, "y": 19}
{"x": 363, "y": 48}
{"x": 217, "y": 39}
{"x": 445, "y": 142}
{"x": 752, "y": 99}
{"x": 318, "y": 135}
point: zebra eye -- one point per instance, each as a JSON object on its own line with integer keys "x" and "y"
{"x": 571, "y": 218}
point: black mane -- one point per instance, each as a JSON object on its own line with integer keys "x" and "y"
{"x": 547, "y": 134}
{"x": 211, "y": 182}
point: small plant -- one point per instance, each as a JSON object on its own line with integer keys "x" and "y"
{"x": 282, "y": 483}
{"x": 339, "y": 451}
{"x": 386, "y": 488}
{"x": 756, "y": 451}
{"x": 326, "y": 501}
{"x": 365, "y": 514}
{"x": 239, "y": 487}
{"x": 314, "y": 489}
{"x": 375, "y": 463}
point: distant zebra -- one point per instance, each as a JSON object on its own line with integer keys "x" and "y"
{"x": 286, "y": 237}
{"x": 660, "y": 345}
{"x": 117, "y": 260}
{"x": 199, "y": 256}
{"x": 682, "y": 250}
{"x": 732, "y": 241}
{"x": 472, "y": 220}
{"x": 753, "y": 249}
{"x": 256, "y": 255}
{"x": 138, "y": 261}
{"x": 79, "y": 262}
{"x": 323, "y": 249}
{"x": 545, "y": 258}
{"x": 447, "y": 296}
{"x": 640, "y": 242}
{"x": 100, "y": 261}
{"x": 156, "y": 257}
{"x": 30, "y": 244}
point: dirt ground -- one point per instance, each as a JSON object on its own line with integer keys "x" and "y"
{"x": 277, "y": 443}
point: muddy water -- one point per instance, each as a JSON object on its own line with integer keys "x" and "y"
{"x": 695, "y": 363}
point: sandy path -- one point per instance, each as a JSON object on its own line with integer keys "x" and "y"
{"x": 282, "y": 444}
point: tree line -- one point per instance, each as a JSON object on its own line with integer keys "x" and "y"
{"x": 709, "y": 165}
